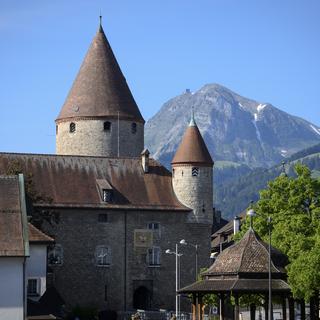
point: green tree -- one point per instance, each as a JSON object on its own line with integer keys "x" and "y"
{"x": 293, "y": 203}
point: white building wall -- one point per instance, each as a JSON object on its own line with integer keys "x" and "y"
{"x": 11, "y": 289}
{"x": 36, "y": 266}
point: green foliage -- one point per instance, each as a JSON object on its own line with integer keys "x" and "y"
{"x": 293, "y": 203}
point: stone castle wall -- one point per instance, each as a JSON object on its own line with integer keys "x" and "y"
{"x": 195, "y": 192}
{"x": 90, "y": 138}
{"x": 81, "y": 282}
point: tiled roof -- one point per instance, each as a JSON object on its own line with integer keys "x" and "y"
{"x": 236, "y": 285}
{"x": 249, "y": 255}
{"x": 192, "y": 149}
{"x": 12, "y": 241}
{"x": 37, "y": 236}
{"x": 73, "y": 181}
{"x": 100, "y": 89}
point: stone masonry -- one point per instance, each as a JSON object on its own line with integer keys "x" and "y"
{"x": 82, "y": 282}
{"x": 195, "y": 192}
{"x": 90, "y": 138}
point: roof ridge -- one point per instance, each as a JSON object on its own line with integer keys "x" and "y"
{"x": 244, "y": 247}
{"x": 264, "y": 248}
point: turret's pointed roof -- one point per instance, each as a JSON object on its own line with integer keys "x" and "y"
{"x": 192, "y": 149}
{"x": 100, "y": 89}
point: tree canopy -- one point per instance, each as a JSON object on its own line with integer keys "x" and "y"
{"x": 293, "y": 203}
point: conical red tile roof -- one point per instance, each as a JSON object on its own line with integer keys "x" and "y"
{"x": 100, "y": 89}
{"x": 192, "y": 149}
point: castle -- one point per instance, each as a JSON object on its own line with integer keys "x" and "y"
{"x": 114, "y": 210}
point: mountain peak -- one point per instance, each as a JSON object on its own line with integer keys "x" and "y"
{"x": 234, "y": 128}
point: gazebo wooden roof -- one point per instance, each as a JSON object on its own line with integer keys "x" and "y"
{"x": 242, "y": 268}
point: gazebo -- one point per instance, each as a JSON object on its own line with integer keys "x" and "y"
{"x": 243, "y": 268}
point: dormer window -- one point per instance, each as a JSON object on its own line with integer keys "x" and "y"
{"x": 133, "y": 127}
{"x": 72, "y": 127}
{"x": 195, "y": 171}
{"x": 107, "y": 126}
{"x": 107, "y": 195}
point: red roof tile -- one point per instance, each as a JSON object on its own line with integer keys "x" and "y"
{"x": 37, "y": 236}
{"x": 11, "y": 225}
{"x": 192, "y": 149}
{"x": 73, "y": 181}
{"x": 100, "y": 89}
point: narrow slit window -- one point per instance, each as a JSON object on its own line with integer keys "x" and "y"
{"x": 107, "y": 126}
{"x": 133, "y": 127}
{"x": 72, "y": 127}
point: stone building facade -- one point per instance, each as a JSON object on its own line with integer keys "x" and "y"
{"x": 111, "y": 209}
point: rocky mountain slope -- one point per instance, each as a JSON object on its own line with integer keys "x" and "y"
{"x": 236, "y": 129}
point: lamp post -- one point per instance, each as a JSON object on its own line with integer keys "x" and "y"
{"x": 196, "y": 246}
{"x": 177, "y": 254}
{"x": 270, "y": 315}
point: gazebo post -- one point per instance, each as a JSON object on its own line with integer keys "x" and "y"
{"x": 194, "y": 307}
{"x": 291, "y": 308}
{"x": 252, "y": 311}
{"x": 303, "y": 309}
{"x": 236, "y": 307}
{"x": 221, "y": 306}
{"x": 266, "y": 307}
{"x": 284, "y": 308}
{"x": 200, "y": 304}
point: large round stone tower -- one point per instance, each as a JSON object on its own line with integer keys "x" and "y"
{"x": 192, "y": 175}
{"x": 100, "y": 116}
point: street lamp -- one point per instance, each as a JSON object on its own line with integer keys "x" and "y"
{"x": 196, "y": 246}
{"x": 178, "y": 255}
{"x": 251, "y": 213}
{"x": 270, "y": 292}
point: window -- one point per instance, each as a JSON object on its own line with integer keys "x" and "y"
{"x": 103, "y": 256}
{"x": 172, "y": 173}
{"x": 102, "y": 217}
{"x": 33, "y": 287}
{"x": 153, "y": 256}
{"x": 133, "y": 127}
{"x": 55, "y": 255}
{"x": 107, "y": 195}
{"x": 195, "y": 171}
{"x": 57, "y": 129}
{"x": 107, "y": 126}
{"x": 72, "y": 127}
{"x": 153, "y": 225}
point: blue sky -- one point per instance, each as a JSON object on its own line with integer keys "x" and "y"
{"x": 266, "y": 50}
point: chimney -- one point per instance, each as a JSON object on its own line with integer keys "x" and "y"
{"x": 236, "y": 224}
{"x": 145, "y": 160}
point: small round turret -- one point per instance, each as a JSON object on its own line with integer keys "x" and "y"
{"x": 192, "y": 175}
